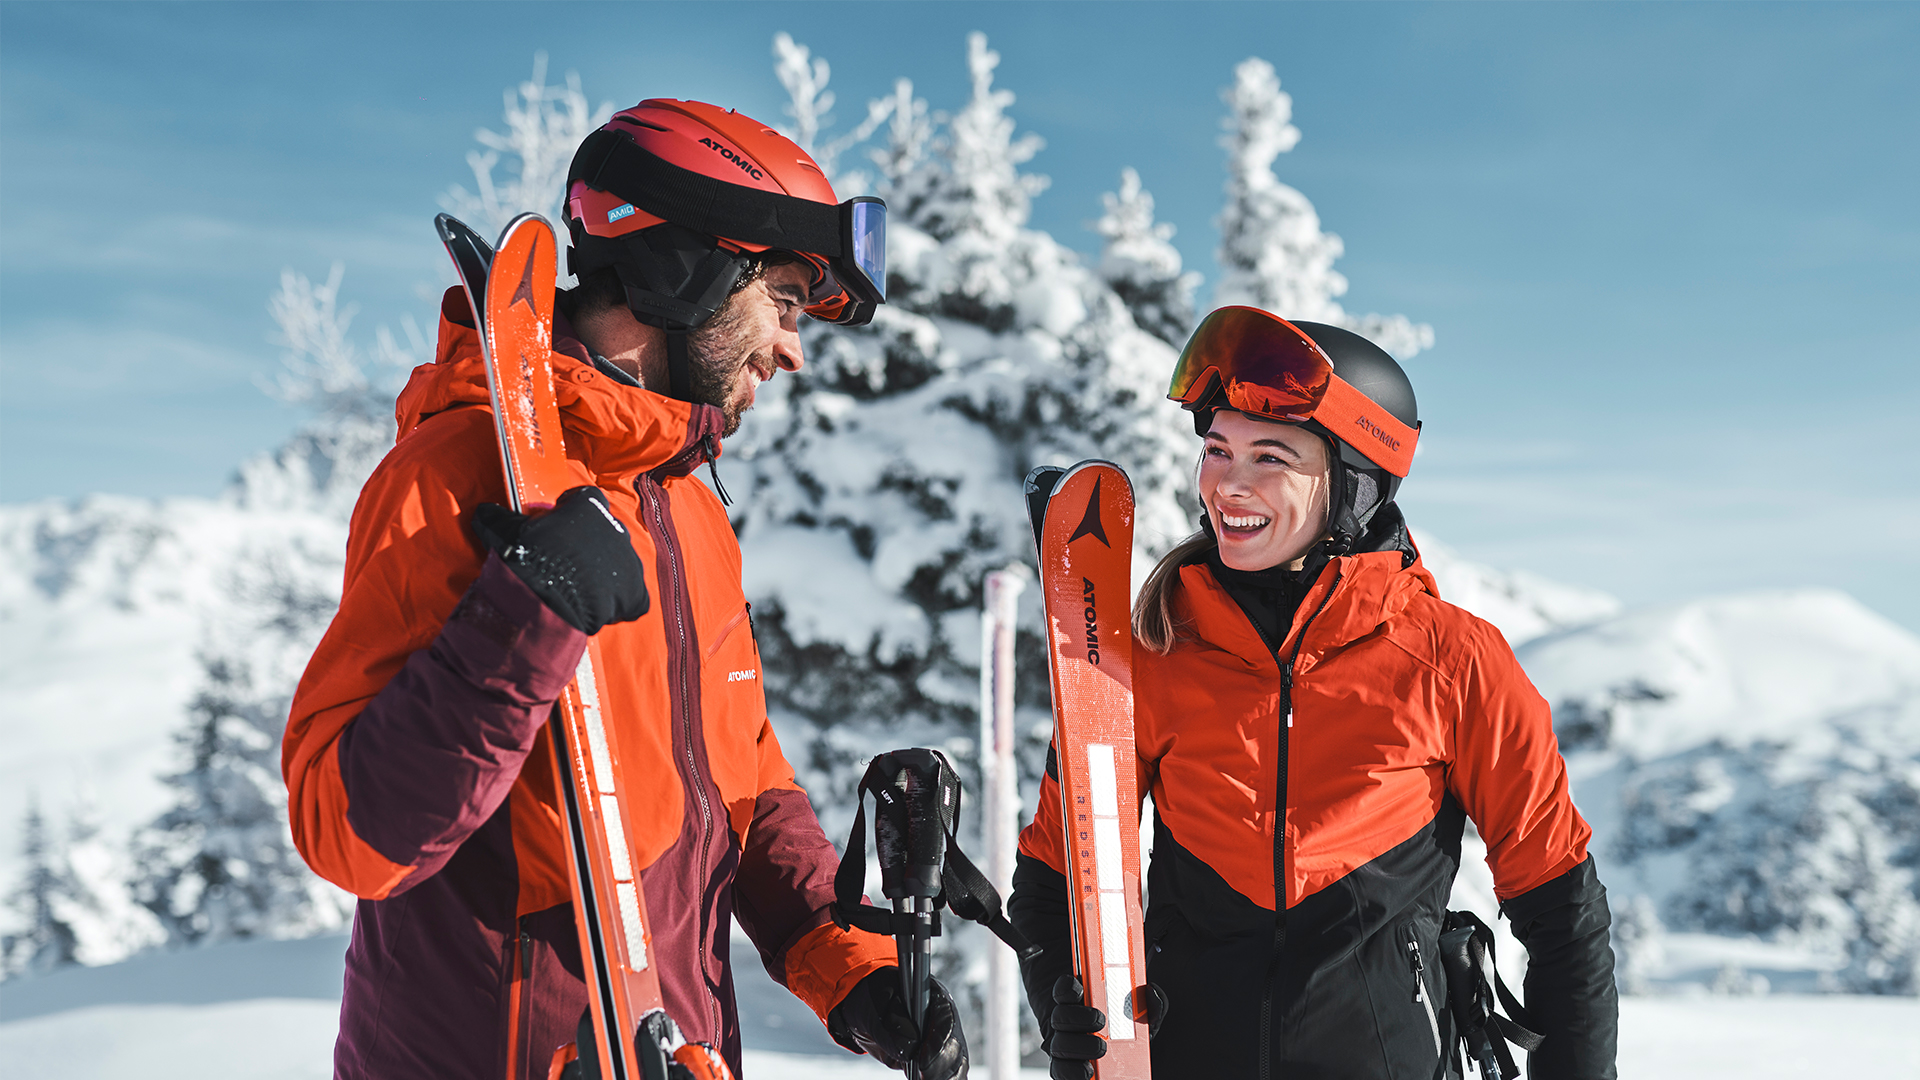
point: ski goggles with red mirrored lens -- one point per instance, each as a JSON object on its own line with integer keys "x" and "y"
{"x": 1267, "y": 367}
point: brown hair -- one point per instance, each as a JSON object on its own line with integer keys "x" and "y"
{"x": 1153, "y": 623}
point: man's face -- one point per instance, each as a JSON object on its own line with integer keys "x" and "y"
{"x": 756, "y": 334}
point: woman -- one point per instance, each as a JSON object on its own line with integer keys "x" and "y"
{"x": 1295, "y": 654}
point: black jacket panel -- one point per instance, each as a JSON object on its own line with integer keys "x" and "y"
{"x": 1571, "y": 996}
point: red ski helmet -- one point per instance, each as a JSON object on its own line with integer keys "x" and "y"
{"x": 1328, "y": 380}
{"x": 679, "y": 196}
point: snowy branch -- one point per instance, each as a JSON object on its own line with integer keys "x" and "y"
{"x": 1141, "y": 264}
{"x": 544, "y": 126}
{"x": 805, "y": 78}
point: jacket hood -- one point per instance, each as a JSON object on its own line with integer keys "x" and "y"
{"x": 617, "y": 432}
{"x": 1353, "y": 596}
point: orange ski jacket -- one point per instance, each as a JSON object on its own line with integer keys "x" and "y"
{"x": 418, "y": 781}
{"x": 1308, "y": 800}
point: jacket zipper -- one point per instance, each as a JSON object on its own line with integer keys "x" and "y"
{"x": 1421, "y": 995}
{"x": 670, "y": 544}
{"x": 1280, "y": 833}
{"x": 745, "y": 616}
{"x": 519, "y": 1002}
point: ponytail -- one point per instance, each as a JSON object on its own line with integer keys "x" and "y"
{"x": 1153, "y": 623}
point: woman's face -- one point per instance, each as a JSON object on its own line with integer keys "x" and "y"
{"x": 1265, "y": 488}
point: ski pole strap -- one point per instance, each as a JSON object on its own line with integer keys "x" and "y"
{"x": 1467, "y": 953}
{"x": 972, "y": 897}
{"x": 850, "y": 883}
{"x": 963, "y": 888}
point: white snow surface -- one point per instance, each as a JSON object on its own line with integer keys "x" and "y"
{"x": 279, "y": 1017}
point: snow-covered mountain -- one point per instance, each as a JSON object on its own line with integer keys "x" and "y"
{"x": 1751, "y": 767}
{"x": 150, "y": 647}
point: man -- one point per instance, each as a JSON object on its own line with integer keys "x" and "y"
{"x": 417, "y": 775}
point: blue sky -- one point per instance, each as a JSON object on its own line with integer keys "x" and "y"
{"x": 1671, "y": 252}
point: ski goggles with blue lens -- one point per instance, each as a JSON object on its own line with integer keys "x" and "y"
{"x": 855, "y": 278}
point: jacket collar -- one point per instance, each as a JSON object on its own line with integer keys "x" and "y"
{"x": 1352, "y": 597}
{"x": 617, "y": 432}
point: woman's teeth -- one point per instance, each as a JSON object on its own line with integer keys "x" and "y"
{"x": 1232, "y": 522}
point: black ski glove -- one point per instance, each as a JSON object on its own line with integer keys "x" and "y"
{"x": 873, "y": 1019}
{"x": 1074, "y": 1047}
{"x": 577, "y": 558}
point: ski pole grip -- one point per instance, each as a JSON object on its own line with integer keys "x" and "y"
{"x": 916, "y": 796}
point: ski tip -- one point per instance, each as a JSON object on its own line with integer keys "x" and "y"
{"x": 519, "y": 222}
{"x": 454, "y": 232}
{"x": 1043, "y": 479}
{"x": 1039, "y": 488}
{"x": 1098, "y": 463}
{"x": 471, "y": 258}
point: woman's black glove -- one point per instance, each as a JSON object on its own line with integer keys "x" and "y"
{"x": 873, "y": 1019}
{"x": 577, "y": 558}
{"x": 1074, "y": 1047}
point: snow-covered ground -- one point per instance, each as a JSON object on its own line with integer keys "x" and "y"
{"x": 267, "y": 1011}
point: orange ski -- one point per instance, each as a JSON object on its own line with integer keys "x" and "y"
{"x": 1083, "y": 522}
{"x": 511, "y": 290}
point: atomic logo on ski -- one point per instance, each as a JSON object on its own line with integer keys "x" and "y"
{"x": 1092, "y": 614}
{"x": 525, "y": 292}
{"x": 1090, "y": 521}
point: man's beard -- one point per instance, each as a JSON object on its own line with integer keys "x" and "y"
{"x": 715, "y": 357}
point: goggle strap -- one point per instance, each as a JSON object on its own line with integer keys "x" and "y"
{"x": 611, "y": 161}
{"x": 1358, "y": 421}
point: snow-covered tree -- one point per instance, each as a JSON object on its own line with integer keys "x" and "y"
{"x": 897, "y": 454}
{"x": 1141, "y": 265}
{"x": 809, "y": 105}
{"x": 72, "y": 905}
{"x": 220, "y": 864}
{"x": 545, "y": 125}
{"x": 1273, "y": 253}
{"x": 323, "y": 466}
{"x": 44, "y": 940}
{"x": 902, "y": 160}
{"x": 884, "y": 479}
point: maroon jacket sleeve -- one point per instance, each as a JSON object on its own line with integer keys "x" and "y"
{"x": 783, "y": 894}
{"x": 435, "y": 752}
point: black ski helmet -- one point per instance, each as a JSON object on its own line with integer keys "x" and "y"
{"x": 1362, "y": 487}
{"x": 1324, "y": 378}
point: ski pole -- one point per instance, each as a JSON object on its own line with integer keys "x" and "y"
{"x": 916, "y": 806}
{"x": 915, "y": 800}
